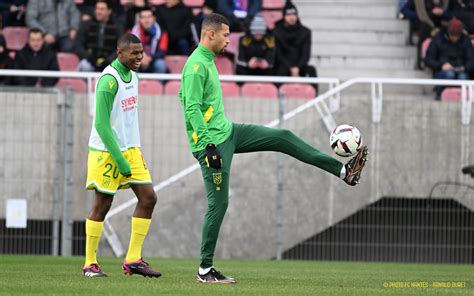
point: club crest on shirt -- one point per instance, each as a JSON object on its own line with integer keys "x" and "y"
{"x": 217, "y": 178}
{"x": 111, "y": 84}
{"x": 195, "y": 68}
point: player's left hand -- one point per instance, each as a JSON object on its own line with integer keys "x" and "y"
{"x": 213, "y": 157}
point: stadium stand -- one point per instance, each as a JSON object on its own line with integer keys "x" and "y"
{"x": 271, "y": 17}
{"x": 172, "y": 88}
{"x": 157, "y": 2}
{"x": 68, "y": 61}
{"x": 259, "y": 90}
{"x": 424, "y": 47}
{"x": 194, "y": 3}
{"x": 175, "y": 63}
{"x": 230, "y": 89}
{"x": 16, "y": 37}
{"x": 77, "y": 85}
{"x": 451, "y": 94}
{"x": 150, "y": 87}
{"x": 224, "y": 66}
{"x": 298, "y": 91}
{"x": 233, "y": 47}
{"x": 273, "y": 4}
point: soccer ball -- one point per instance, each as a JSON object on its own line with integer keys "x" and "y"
{"x": 345, "y": 140}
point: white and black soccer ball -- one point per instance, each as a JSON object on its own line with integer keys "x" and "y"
{"x": 345, "y": 140}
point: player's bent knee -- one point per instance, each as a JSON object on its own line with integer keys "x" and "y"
{"x": 149, "y": 200}
{"x": 284, "y": 133}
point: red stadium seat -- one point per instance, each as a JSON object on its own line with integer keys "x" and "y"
{"x": 451, "y": 94}
{"x": 233, "y": 47}
{"x": 298, "y": 91}
{"x": 156, "y": 2}
{"x": 68, "y": 61}
{"x": 271, "y": 17}
{"x": 273, "y": 4}
{"x": 77, "y": 85}
{"x": 175, "y": 63}
{"x": 194, "y": 3}
{"x": 15, "y": 37}
{"x": 424, "y": 47}
{"x": 230, "y": 89}
{"x": 259, "y": 90}
{"x": 172, "y": 88}
{"x": 150, "y": 87}
{"x": 224, "y": 66}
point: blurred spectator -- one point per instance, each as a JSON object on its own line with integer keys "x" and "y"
{"x": 431, "y": 15}
{"x": 408, "y": 12}
{"x": 401, "y": 4}
{"x": 256, "y": 50}
{"x": 464, "y": 11}
{"x": 239, "y": 12}
{"x": 96, "y": 42}
{"x": 175, "y": 18}
{"x": 13, "y": 12}
{"x": 131, "y": 12}
{"x": 88, "y": 6}
{"x": 450, "y": 54}
{"x": 154, "y": 40}
{"x": 209, "y": 7}
{"x": 293, "y": 45}
{"x": 36, "y": 55}
{"x": 5, "y": 61}
{"x": 57, "y": 19}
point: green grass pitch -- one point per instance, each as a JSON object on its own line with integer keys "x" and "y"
{"x": 38, "y": 275}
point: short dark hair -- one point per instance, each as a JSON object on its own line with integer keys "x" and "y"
{"x": 146, "y": 8}
{"x": 214, "y": 21}
{"x": 105, "y": 2}
{"x": 125, "y": 40}
{"x": 35, "y": 31}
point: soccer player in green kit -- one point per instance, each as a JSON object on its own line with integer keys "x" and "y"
{"x": 213, "y": 139}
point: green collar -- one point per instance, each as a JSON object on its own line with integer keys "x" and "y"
{"x": 205, "y": 52}
{"x": 123, "y": 71}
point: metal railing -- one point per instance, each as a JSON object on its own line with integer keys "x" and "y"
{"x": 326, "y": 103}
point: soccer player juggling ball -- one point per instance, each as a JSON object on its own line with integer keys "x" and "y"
{"x": 213, "y": 139}
{"x": 115, "y": 160}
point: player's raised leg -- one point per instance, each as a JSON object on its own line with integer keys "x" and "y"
{"x": 252, "y": 138}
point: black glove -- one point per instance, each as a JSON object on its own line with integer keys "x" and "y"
{"x": 213, "y": 157}
{"x": 468, "y": 170}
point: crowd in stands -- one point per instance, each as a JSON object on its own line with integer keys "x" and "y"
{"x": 168, "y": 29}
{"x": 261, "y": 44}
{"x": 445, "y": 30}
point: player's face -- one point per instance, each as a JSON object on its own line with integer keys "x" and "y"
{"x": 221, "y": 39}
{"x": 132, "y": 56}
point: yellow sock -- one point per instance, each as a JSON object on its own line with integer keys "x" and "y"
{"x": 140, "y": 228}
{"x": 93, "y": 233}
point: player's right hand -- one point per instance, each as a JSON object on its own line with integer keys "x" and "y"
{"x": 124, "y": 168}
{"x": 213, "y": 157}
